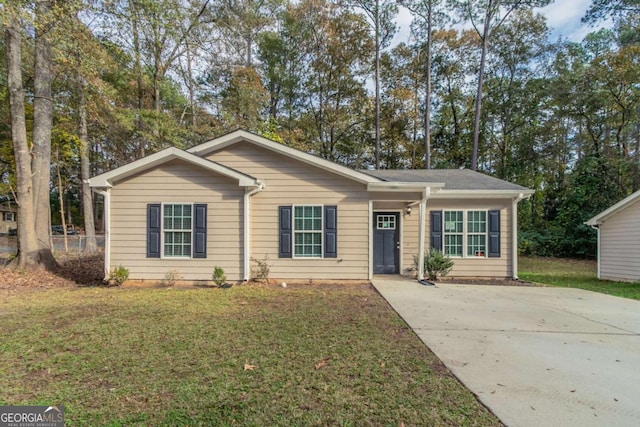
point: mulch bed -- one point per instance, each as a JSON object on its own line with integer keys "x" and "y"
{"x": 73, "y": 271}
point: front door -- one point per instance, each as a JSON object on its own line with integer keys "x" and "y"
{"x": 386, "y": 243}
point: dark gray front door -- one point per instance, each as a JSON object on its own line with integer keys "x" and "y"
{"x": 386, "y": 243}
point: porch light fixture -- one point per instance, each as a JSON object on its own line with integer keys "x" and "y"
{"x": 408, "y": 210}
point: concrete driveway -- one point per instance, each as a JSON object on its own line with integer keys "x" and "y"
{"x": 535, "y": 356}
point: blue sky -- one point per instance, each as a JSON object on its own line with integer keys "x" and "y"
{"x": 563, "y": 19}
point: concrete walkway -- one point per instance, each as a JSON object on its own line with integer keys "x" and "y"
{"x": 535, "y": 356}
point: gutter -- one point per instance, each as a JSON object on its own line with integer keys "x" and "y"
{"x": 247, "y": 227}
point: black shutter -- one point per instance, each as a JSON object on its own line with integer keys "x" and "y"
{"x": 494, "y": 234}
{"x": 200, "y": 230}
{"x": 154, "y": 218}
{"x": 284, "y": 232}
{"x": 330, "y": 231}
{"x": 436, "y": 230}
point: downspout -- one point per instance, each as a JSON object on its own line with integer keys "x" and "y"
{"x": 514, "y": 234}
{"x": 421, "y": 231}
{"x": 597, "y": 228}
{"x": 247, "y": 228}
{"x": 370, "y": 239}
{"x": 106, "y": 194}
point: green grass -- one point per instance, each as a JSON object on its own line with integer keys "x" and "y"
{"x": 175, "y": 357}
{"x": 571, "y": 273}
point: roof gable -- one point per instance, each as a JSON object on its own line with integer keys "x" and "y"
{"x": 242, "y": 135}
{"x": 161, "y": 157}
{"x": 607, "y": 213}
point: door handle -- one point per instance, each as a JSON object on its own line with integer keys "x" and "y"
{"x": 398, "y": 245}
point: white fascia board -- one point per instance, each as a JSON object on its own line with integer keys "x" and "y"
{"x": 107, "y": 179}
{"x": 241, "y": 135}
{"x": 481, "y": 194}
{"x": 622, "y": 204}
{"x": 398, "y": 186}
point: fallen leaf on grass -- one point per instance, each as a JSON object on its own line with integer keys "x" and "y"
{"x": 248, "y": 367}
{"x": 321, "y": 364}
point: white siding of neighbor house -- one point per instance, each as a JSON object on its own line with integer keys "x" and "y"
{"x": 620, "y": 245}
{"x": 292, "y": 182}
{"x": 466, "y": 266}
{"x": 5, "y": 226}
{"x": 177, "y": 182}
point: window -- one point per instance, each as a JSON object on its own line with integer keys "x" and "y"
{"x": 386, "y": 222}
{"x": 177, "y": 230}
{"x": 465, "y": 233}
{"x": 453, "y": 232}
{"x": 307, "y": 231}
{"x": 177, "y": 226}
{"x": 476, "y": 233}
{"x": 9, "y": 216}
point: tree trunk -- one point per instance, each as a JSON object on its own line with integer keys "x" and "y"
{"x": 478, "y": 106}
{"x": 28, "y": 251}
{"x": 42, "y": 123}
{"x": 427, "y": 96}
{"x": 138, "y": 72}
{"x": 192, "y": 96}
{"x": 87, "y": 202}
{"x": 377, "y": 78}
{"x": 61, "y": 200}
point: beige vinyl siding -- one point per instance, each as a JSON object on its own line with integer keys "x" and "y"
{"x": 292, "y": 182}
{"x": 465, "y": 266}
{"x": 177, "y": 182}
{"x": 620, "y": 245}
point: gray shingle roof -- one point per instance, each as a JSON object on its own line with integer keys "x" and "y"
{"x": 454, "y": 179}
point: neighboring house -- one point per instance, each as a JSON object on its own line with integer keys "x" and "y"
{"x": 619, "y": 240}
{"x": 241, "y": 196}
{"x": 8, "y": 216}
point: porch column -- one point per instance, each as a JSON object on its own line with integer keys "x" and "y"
{"x": 422, "y": 231}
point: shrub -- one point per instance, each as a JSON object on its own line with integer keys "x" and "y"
{"x": 261, "y": 268}
{"x": 219, "y": 277}
{"x": 118, "y": 276}
{"x": 435, "y": 264}
{"x": 172, "y": 277}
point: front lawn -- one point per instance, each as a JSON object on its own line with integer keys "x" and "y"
{"x": 249, "y": 355}
{"x": 570, "y": 273}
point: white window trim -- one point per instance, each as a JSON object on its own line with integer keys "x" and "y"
{"x": 162, "y": 231}
{"x": 293, "y": 231}
{"x": 465, "y": 233}
{"x": 7, "y": 214}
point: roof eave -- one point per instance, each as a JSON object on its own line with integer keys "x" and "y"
{"x": 473, "y": 194}
{"x": 400, "y": 186}
{"x": 607, "y": 213}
